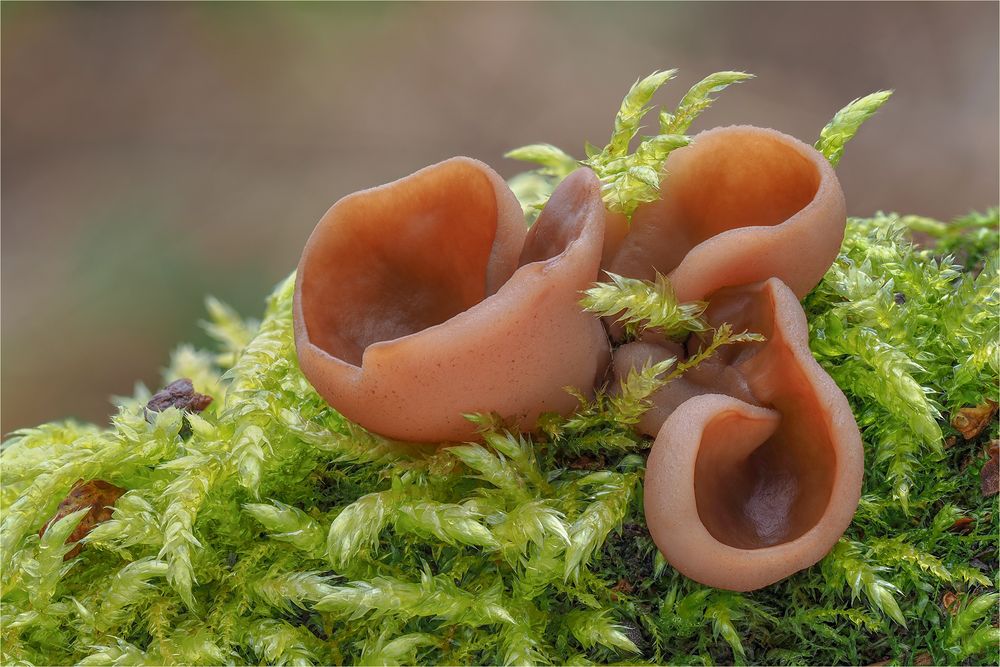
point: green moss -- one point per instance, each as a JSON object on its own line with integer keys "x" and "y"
{"x": 277, "y": 532}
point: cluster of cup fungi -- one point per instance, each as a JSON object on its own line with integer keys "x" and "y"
{"x": 428, "y": 298}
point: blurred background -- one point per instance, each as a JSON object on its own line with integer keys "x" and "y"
{"x": 156, "y": 153}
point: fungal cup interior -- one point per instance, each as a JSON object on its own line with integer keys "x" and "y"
{"x": 398, "y": 259}
{"x": 758, "y": 484}
{"x": 726, "y": 180}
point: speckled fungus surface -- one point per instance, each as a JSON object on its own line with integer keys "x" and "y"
{"x": 424, "y": 299}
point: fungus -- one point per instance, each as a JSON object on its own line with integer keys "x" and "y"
{"x": 739, "y": 205}
{"x": 740, "y": 494}
{"x": 737, "y": 498}
{"x": 424, "y": 299}
{"x": 710, "y": 376}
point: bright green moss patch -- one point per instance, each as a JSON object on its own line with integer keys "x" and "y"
{"x": 277, "y": 532}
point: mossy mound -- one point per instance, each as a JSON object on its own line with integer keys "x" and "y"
{"x": 276, "y": 532}
{"x": 268, "y": 529}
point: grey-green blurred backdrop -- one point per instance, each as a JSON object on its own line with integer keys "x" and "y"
{"x": 155, "y": 153}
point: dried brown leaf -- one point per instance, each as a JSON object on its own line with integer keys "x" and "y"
{"x": 970, "y": 422}
{"x": 98, "y": 495}
{"x": 962, "y": 525}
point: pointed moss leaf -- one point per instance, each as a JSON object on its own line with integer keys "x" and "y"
{"x": 532, "y": 190}
{"x": 356, "y": 530}
{"x": 496, "y": 470}
{"x": 896, "y": 549}
{"x": 846, "y": 122}
{"x": 554, "y": 161}
{"x": 530, "y": 523}
{"x": 610, "y": 502}
{"x": 293, "y": 589}
{"x": 401, "y": 650}
{"x": 119, "y": 653}
{"x": 644, "y": 304}
{"x": 185, "y": 497}
{"x": 846, "y": 563}
{"x": 630, "y": 180}
{"x": 289, "y": 524}
{"x": 448, "y": 522}
{"x": 520, "y": 452}
{"x": 47, "y": 568}
{"x": 633, "y": 399}
{"x": 520, "y": 645}
{"x": 697, "y": 99}
{"x": 969, "y": 631}
{"x": 249, "y": 452}
{"x": 129, "y": 586}
{"x": 633, "y": 109}
{"x": 722, "y": 616}
{"x": 278, "y": 643}
{"x": 432, "y": 596}
{"x": 228, "y": 329}
{"x": 595, "y": 628}
{"x": 27, "y": 453}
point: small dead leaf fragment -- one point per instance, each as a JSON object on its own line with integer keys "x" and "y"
{"x": 923, "y": 660}
{"x": 623, "y": 586}
{"x": 179, "y": 394}
{"x": 970, "y": 422}
{"x": 587, "y": 463}
{"x": 950, "y": 441}
{"x": 950, "y": 602}
{"x": 962, "y": 525}
{"x": 99, "y": 496}
{"x": 989, "y": 476}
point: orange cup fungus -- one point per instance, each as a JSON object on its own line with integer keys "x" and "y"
{"x": 427, "y": 298}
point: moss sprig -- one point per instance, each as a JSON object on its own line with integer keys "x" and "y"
{"x": 645, "y": 304}
{"x": 846, "y": 122}
{"x": 628, "y": 178}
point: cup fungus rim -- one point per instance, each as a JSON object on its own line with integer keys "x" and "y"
{"x": 679, "y": 440}
{"x": 822, "y": 170}
{"x": 826, "y": 198}
{"x": 755, "y": 567}
{"x": 521, "y": 274}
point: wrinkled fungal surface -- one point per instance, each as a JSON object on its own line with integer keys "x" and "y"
{"x": 424, "y": 299}
{"x": 756, "y": 471}
{"x": 739, "y": 205}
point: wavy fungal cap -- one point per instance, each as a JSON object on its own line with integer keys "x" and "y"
{"x": 739, "y": 205}
{"x": 424, "y": 299}
{"x": 738, "y": 495}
